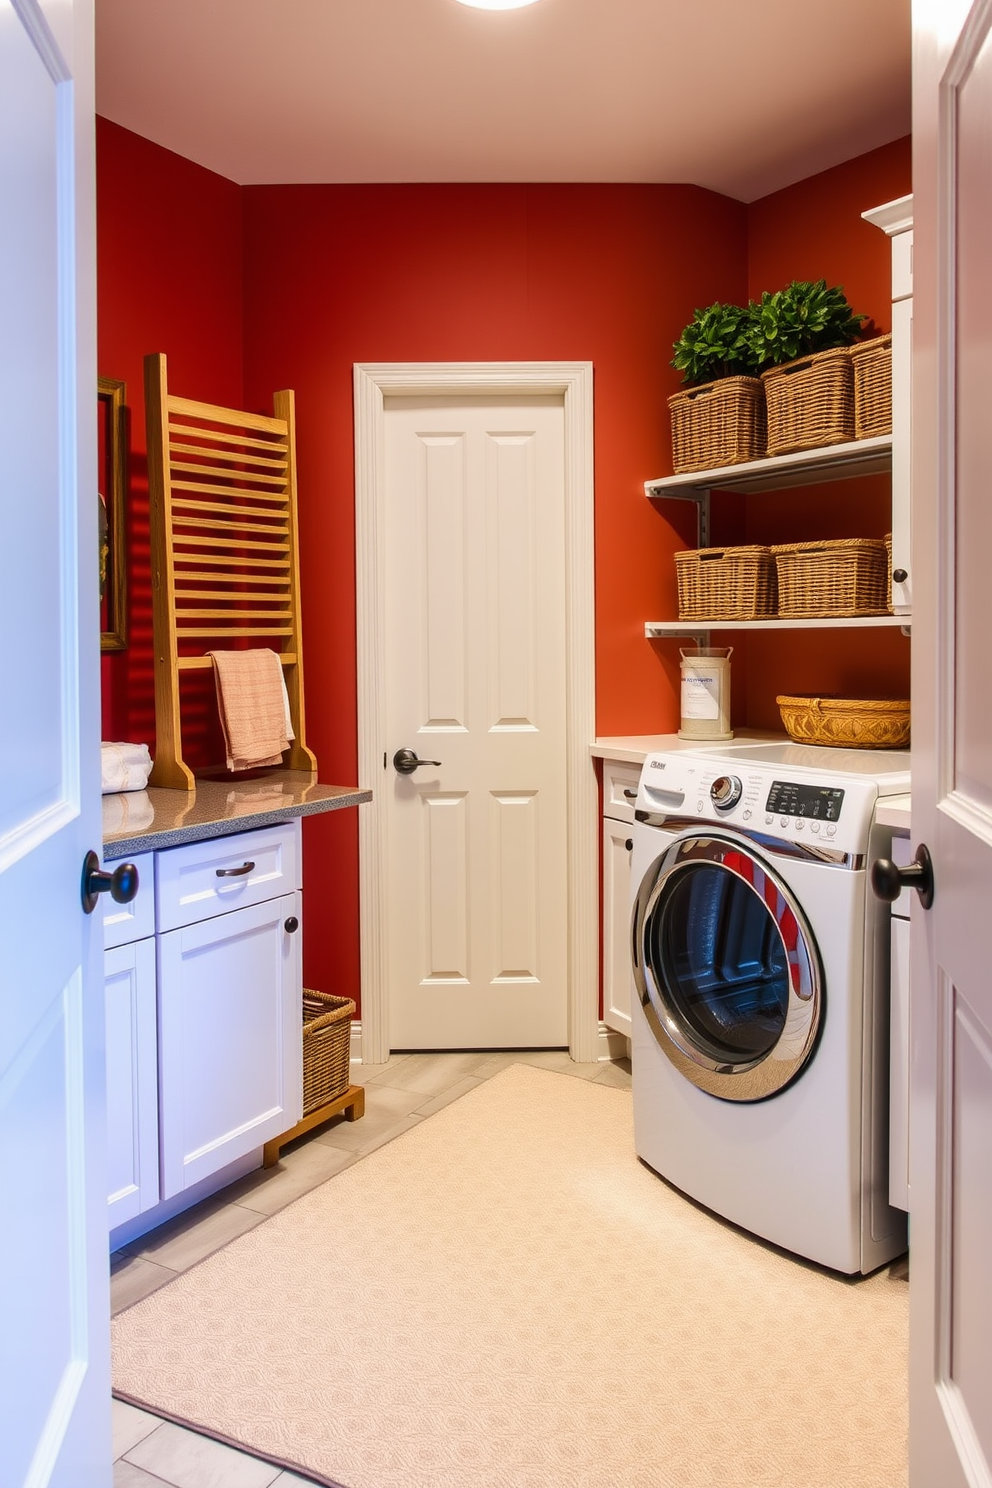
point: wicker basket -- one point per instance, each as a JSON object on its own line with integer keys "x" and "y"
{"x": 718, "y": 423}
{"x": 847, "y": 723}
{"x": 326, "y": 1048}
{"x": 726, "y": 583}
{"x": 888, "y": 567}
{"x": 821, "y": 579}
{"x": 872, "y": 363}
{"x": 810, "y": 402}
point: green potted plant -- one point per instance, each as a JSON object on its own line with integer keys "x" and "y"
{"x": 719, "y": 418}
{"x": 804, "y": 318}
{"x": 800, "y": 335}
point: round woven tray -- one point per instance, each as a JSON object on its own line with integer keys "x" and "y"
{"x": 846, "y": 723}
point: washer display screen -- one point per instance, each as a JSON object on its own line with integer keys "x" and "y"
{"x": 820, "y": 802}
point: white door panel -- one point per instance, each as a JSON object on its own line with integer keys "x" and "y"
{"x": 475, "y": 618}
{"x": 54, "y": 1333}
{"x": 951, "y": 995}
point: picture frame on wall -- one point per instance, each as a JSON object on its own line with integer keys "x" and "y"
{"x": 112, "y": 468}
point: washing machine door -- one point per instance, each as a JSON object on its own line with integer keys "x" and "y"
{"x": 726, "y": 967}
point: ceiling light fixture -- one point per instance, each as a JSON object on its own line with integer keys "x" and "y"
{"x": 497, "y": 4}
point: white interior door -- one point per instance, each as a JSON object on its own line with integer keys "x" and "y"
{"x": 951, "y": 1099}
{"x": 54, "y": 1329}
{"x": 476, "y": 679}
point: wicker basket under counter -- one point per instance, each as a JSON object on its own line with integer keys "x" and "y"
{"x": 872, "y": 365}
{"x": 843, "y": 577}
{"x": 326, "y": 1048}
{"x": 810, "y": 402}
{"x": 726, "y": 583}
{"x": 718, "y": 423}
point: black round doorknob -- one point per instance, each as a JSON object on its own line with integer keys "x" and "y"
{"x": 121, "y": 885}
{"x": 291, "y": 925}
{"x": 899, "y": 576}
{"x": 888, "y": 880}
{"x": 629, "y": 844}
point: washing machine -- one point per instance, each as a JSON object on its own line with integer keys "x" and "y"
{"x": 759, "y": 1038}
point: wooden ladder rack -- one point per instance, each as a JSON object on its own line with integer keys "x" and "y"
{"x": 225, "y": 559}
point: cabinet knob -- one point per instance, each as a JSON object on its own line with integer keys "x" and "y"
{"x": 291, "y": 925}
{"x": 629, "y": 844}
{"x": 121, "y": 885}
{"x": 899, "y": 576}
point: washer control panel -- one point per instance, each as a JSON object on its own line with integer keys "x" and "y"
{"x": 815, "y": 802}
{"x": 834, "y": 813}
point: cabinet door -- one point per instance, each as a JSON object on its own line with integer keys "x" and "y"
{"x": 617, "y": 975}
{"x": 230, "y": 1038}
{"x": 132, "y": 1080}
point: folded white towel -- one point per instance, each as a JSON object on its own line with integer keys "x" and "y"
{"x": 124, "y": 767}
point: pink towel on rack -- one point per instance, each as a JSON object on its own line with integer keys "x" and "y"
{"x": 253, "y": 707}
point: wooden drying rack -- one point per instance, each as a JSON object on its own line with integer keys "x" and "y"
{"x": 222, "y": 490}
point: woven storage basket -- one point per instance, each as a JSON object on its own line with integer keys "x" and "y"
{"x": 888, "y": 567}
{"x": 718, "y": 423}
{"x": 872, "y": 364}
{"x": 726, "y": 583}
{"x": 810, "y": 402}
{"x": 848, "y": 723}
{"x": 326, "y": 1048}
{"x": 843, "y": 577}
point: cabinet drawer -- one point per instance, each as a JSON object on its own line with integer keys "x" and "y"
{"x": 620, "y": 789}
{"x": 211, "y": 878}
{"x": 124, "y": 923}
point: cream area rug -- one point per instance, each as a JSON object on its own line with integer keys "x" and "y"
{"x": 504, "y": 1297}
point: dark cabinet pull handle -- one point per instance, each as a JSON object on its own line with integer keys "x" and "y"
{"x": 631, "y": 795}
{"x": 235, "y": 872}
{"x": 406, "y": 761}
{"x": 899, "y": 576}
{"x": 888, "y": 880}
{"x": 121, "y": 885}
{"x": 629, "y": 844}
{"x": 292, "y": 925}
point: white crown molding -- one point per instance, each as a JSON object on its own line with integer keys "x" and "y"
{"x": 373, "y": 382}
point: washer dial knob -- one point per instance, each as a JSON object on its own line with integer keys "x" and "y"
{"x": 725, "y": 792}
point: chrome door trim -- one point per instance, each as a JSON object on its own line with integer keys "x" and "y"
{"x": 767, "y": 1075}
{"x": 832, "y": 857}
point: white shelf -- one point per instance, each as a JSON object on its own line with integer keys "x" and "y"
{"x": 807, "y": 468}
{"x": 660, "y": 629}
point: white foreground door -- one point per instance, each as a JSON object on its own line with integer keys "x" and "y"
{"x": 951, "y": 1109}
{"x": 476, "y": 674}
{"x": 54, "y": 1331}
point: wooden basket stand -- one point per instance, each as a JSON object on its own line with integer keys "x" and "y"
{"x": 718, "y": 423}
{"x": 810, "y": 402}
{"x": 327, "y": 1088}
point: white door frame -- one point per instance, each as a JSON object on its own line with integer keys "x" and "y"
{"x": 374, "y": 382}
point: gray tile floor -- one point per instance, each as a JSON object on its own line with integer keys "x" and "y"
{"x": 149, "y": 1452}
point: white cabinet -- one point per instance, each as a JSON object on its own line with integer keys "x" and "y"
{"x": 896, "y": 219}
{"x": 203, "y": 995}
{"x": 619, "y": 793}
{"x": 132, "y": 1058}
{"x": 230, "y": 1042}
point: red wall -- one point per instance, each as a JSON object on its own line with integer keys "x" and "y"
{"x": 169, "y": 242}
{"x": 253, "y": 289}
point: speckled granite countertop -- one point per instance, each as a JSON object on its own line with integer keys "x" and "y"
{"x": 143, "y": 821}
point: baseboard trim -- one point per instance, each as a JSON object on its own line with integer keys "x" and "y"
{"x": 611, "y": 1044}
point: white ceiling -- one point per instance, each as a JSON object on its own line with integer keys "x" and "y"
{"x": 743, "y": 96}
